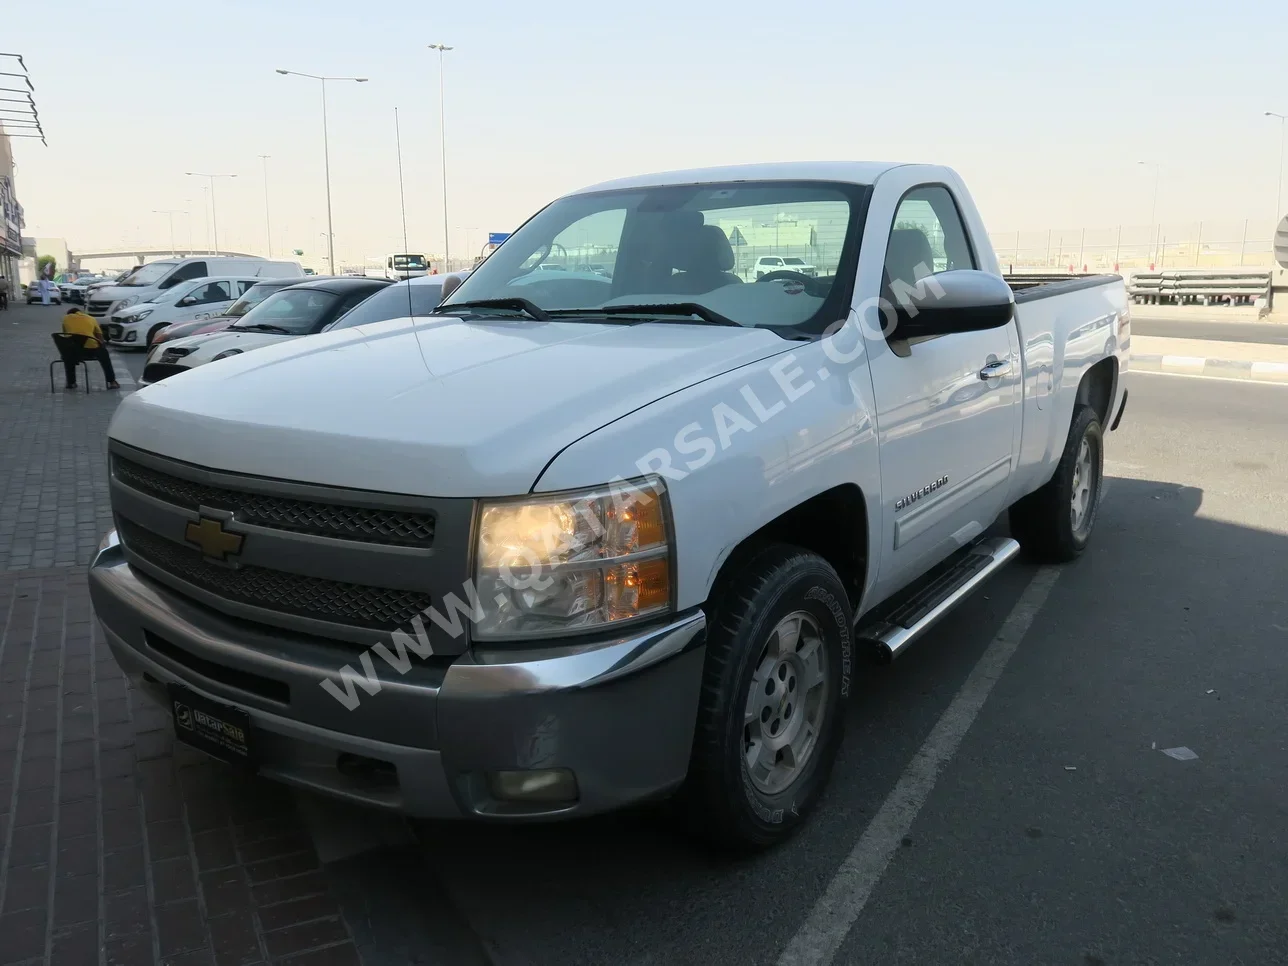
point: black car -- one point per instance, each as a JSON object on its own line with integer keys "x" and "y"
{"x": 301, "y": 309}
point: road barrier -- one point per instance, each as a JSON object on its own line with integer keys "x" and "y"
{"x": 1198, "y": 287}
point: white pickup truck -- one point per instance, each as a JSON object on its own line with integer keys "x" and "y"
{"x": 576, "y": 542}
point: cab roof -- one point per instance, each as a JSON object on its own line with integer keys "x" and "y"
{"x": 851, "y": 172}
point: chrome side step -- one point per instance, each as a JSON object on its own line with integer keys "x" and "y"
{"x": 912, "y": 618}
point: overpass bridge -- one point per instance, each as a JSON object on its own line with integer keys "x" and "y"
{"x": 141, "y": 255}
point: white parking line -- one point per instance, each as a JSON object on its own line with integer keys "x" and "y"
{"x": 821, "y": 936}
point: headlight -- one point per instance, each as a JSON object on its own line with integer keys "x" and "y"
{"x": 573, "y": 562}
{"x": 126, "y": 302}
{"x": 138, "y": 316}
{"x": 226, "y": 353}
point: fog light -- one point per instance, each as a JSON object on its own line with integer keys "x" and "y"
{"x": 131, "y": 336}
{"x": 551, "y": 785}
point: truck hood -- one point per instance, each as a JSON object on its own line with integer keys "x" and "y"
{"x": 438, "y": 407}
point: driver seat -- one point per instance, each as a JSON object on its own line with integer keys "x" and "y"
{"x": 704, "y": 257}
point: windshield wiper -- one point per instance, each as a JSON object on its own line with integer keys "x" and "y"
{"x": 260, "y": 327}
{"x": 530, "y": 309}
{"x": 692, "y": 310}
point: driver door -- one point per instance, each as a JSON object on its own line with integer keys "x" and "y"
{"x": 947, "y": 433}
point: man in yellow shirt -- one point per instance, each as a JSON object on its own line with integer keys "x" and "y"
{"x": 76, "y": 322}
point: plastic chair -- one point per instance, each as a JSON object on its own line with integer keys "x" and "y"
{"x": 71, "y": 349}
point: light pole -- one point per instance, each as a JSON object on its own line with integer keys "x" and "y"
{"x": 1153, "y": 211}
{"x": 268, "y": 222}
{"x": 1279, "y": 175}
{"x": 169, "y": 212}
{"x": 214, "y": 209}
{"x": 442, "y": 138}
{"x": 326, "y": 155}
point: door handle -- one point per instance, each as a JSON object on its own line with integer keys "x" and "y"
{"x": 996, "y": 369}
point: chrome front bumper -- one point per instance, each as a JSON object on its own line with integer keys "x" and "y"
{"x": 619, "y": 712}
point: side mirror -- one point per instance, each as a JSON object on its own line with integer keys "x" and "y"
{"x": 965, "y": 300}
{"x": 187, "y": 300}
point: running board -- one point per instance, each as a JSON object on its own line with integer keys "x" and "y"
{"x": 916, "y": 614}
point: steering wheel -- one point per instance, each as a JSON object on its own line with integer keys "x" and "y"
{"x": 812, "y": 286}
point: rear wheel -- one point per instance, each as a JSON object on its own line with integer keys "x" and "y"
{"x": 779, "y": 660}
{"x": 1054, "y": 524}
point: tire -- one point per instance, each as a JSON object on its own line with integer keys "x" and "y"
{"x": 152, "y": 333}
{"x": 725, "y": 802}
{"x": 1044, "y": 522}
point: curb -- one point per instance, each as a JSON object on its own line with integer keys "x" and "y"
{"x": 1221, "y": 368}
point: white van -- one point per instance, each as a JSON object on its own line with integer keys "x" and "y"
{"x": 404, "y": 265}
{"x": 156, "y": 277}
{"x": 198, "y": 298}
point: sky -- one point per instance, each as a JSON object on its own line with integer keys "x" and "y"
{"x": 1046, "y": 110}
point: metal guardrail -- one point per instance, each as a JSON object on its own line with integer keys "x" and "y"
{"x": 1198, "y": 287}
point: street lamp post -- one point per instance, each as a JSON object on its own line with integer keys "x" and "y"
{"x": 442, "y": 138}
{"x": 170, "y": 213}
{"x": 268, "y": 222}
{"x": 214, "y": 208}
{"x": 1153, "y": 211}
{"x": 1279, "y": 175}
{"x": 326, "y": 155}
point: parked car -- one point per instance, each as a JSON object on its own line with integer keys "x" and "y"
{"x": 302, "y": 309}
{"x": 217, "y": 323}
{"x": 148, "y": 280}
{"x": 775, "y": 263}
{"x": 33, "y": 293}
{"x": 195, "y": 300}
{"x": 74, "y": 289}
{"x": 416, "y": 297}
{"x": 599, "y": 541}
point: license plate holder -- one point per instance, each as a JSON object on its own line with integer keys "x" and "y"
{"x": 220, "y": 730}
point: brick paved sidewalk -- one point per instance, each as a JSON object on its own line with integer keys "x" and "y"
{"x": 116, "y": 846}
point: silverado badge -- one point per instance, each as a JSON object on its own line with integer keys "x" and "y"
{"x": 916, "y": 495}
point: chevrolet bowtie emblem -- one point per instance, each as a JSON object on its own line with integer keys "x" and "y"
{"x": 215, "y": 542}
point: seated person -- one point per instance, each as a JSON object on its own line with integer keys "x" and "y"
{"x": 76, "y": 322}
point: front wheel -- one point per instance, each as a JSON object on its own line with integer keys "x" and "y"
{"x": 1054, "y": 524}
{"x": 153, "y": 333}
{"x": 779, "y": 661}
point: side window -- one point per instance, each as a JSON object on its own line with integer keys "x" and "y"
{"x": 212, "y": 292}
{"x": 245, "y": 285}
{"x": 928, "y": 236}
{"x": 187, "y": 272}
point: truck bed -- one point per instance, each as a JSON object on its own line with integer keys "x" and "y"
{"x": 1030, "y": 288}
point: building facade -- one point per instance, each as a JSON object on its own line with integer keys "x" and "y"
{"x": 11, "y": 221}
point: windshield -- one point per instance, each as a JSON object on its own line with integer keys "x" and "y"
{"x": 254, "y": 295}
{"x": 413, "y": 263}
{"x": 395, "y": 302}
{"x": 685, "y": 243}
{"x": 297, "y": 311}
{"x": 149, "y": 274}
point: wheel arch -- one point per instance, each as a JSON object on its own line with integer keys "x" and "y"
{"x": 833, "y": 524}
{"x": 1099, "y": 388}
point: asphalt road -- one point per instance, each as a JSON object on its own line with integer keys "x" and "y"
{"x": 1057, "y": 831}
{"x": 1273, "y": 333}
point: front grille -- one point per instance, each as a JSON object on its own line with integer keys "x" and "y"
{"x": 98, "y": 308}
{"x": 354, "y": 605}
{"x": 397, "y": 527}
{"x": 156, "y": 371}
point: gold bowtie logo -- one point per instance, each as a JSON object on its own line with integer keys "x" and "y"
{"x": 215, "y": 542}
